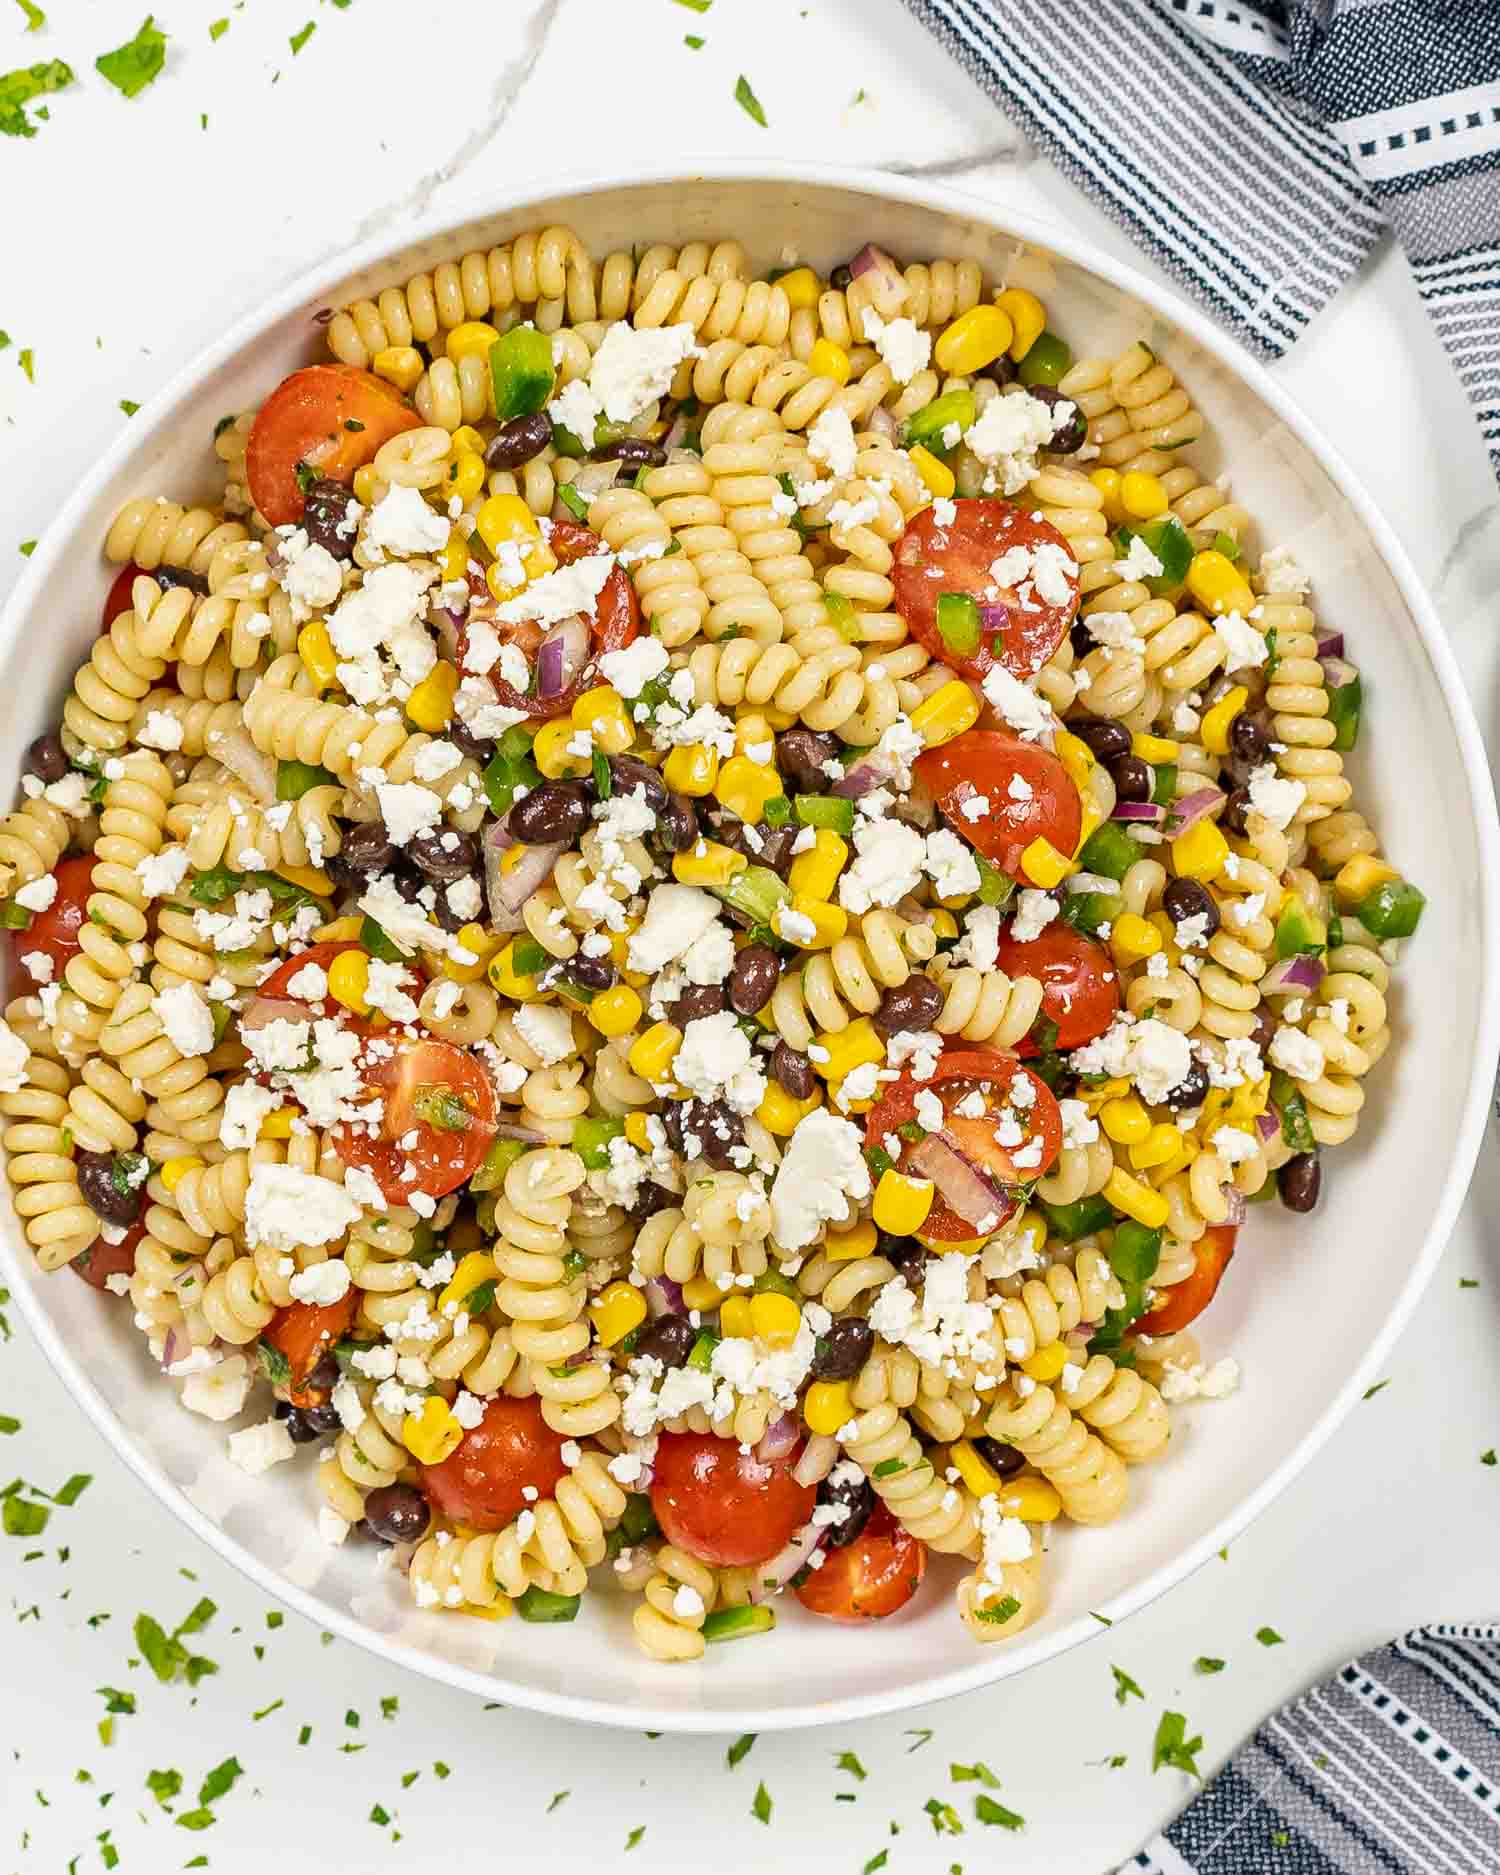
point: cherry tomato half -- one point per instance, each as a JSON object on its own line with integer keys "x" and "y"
{"x": 1184, "y": 1302}
{"x": 305, "y": 1331}
{"x": 333, "y": 418}
{"x": 985, "y": 762}
{"x": 432, "y": 1089}
{"x": 117, "y": 599}
{"x": 615, "y": 620}
{"x": 724, "y": 1505}
{"x": 1080, "y": 985}
{"x": 102, "y": 1260}
{"x": 277, "y": 986}
{"x": 957, "y": 1072}
{"x": 869, "y": 1578}
{"x": 932, "y": 559}
{"x": 54, "y": 932}
{"x": 511, "y": 1450}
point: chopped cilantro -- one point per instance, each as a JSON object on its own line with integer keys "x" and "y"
{"x": 1268, "y": 1637}
{"x": 220, "y": 1781}
{"x": 922, "y": 1734}
{"x": 439, "y": 1769}
{"x": 1370, "y": 1392}
{"x": 1468, "y": 1282}
{"x": 1103, "y": 1620}
{"x": 558, "y": 1796}
{"x": 379, "y": 1814}
{"x": 27, "y": 361}
{"x": 697, "y": 6}
{"x": 28, "y": 548}
{"x": 1125, "y": 1687}
{"x": 1173, "y": 1747}
{"x": 760, "y": 1807}
{"x": 129, "y": 406}
{"x": 20, "y": 1518}
{"x": 876, "y": 1862}
{"x": 164, "y": 1785}
{"x": 739, "y": 1749}
{"x": 1488, "y": 1458}
{"x": 136, "y": 64}
{"x": 944, "y": 1818}
{"x": 974, "y": 1773}
{"x": 266, "y": 1711}
{"x": 20, "y": 87}
{"x": 9, "y": 1425}
{"x": 997, "y": 1612}
{"x": 165, "y": 1654}
{"x": 115, "y": 1700}
{"x": 36, "y": 19}
{"x": 847, "y": 1761}
{"x": 635, "y": 1836}
{"x": 217, "y": 29}
{"x": 1205, "y": 1663}
{"x": 988, "y": 1811}
{"x": 695, "y": 42}
{"x": 748, "y": 102}
{"x": 300, "y": 39}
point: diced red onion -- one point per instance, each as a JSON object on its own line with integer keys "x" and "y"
{"x": 994, "y": 618}
{"x": 775, "y": 1574}
{"x": 1268, "y": 1124}
{"x": 512, "y": 1129}
{"x": 960, "y": 1183}
{"x": 1192, "y": 807}
{"x": 1147, "y": 812}
{"x": 1236, "y": 1202}
{"x": 890, "y": 287}
{"x": 240, "y": 756}
{"x": 663, "y": 1297}
{"x": 175, "y": 1348}
{"x": 507, "y": 892}
{"x": 1330, "y": 644}
{"x": 874, "y": 771}
{"x": 779, "y": 1438}
{"x": 819, "y": 1456}
{"x": 881, "y": 422}
{"x": 1292, "y": 973}
{"x": 1338, "y": 671}
{"x": 562, "y": 655}
{"x": 260, "y": 1011}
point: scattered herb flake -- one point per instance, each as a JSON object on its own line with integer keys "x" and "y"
{"x": 748, "y": 102}
{"x": 20, "y": 1518}
{"x": 379, "y": 1814}
{"x": 876, "y": 1862}
{"x": 299, "y": 40}
{"x": 1205, "y": 1663}
{"x": 1103, "y": 1620}
{"x": 136, "y": 64}
{"x": 1268, "y": 1637}
{"x": 922, "y": 1734}
{"x": 220, "y": 1781}
{"x": 217, "y": 29}
{"x": 1468, "y": 1282}
{"x": 266, "y": 1711}
{"x": 389, "y": 1706}
{"x": 20, "y": 87}
{"x": 697, "y": 6}
{"x": 760, "y": 1807}
{"x": 36, "y": 19}
{"x": 196, "y": 1819}
{"x": 164, "y": 1785}
{"x": 9, "y": 1425}
{"x": 27, "y": 361}
{"x": 439, "y": 1769}
{"x": 739, "y": 1749}
{"x": 976, "y": 1773}
{"x": 1370, "y": 1392}
{"x": 944, "y": 1818}
{"x": 634, "y": 1837}
{"x": 1172, "y": 1746}
{"x": 129, "y": 406}
{"x": 559, "y": 1796}
{"x": 1125, "y": 1687}
{"x": 847, "y": 1761}
{"x": 695, "y": 42}
{"x": 988, "y": 1811}
{"x": 74, "y": 1488}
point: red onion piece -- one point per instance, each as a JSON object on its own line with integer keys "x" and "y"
{"x": 663, "y": 1297}
{"x": 881, "y": 422}
{"x": 960, "y": 1183}
{"x": 779, "y": 1438}
{"x": 263, "y": 1010}
{"x": 1268, "y": 1124}
{"x": 562, "y": 655}
{"x": 1145, "y": 811}
{"x": 1338, "y": 671}
{"x": 508, "y": 891}
{"x": 994, "y": 618}
{"x": 1236, "y": 1202}
{"x": 1330, "y": 644}
{"x": 512, "y": 1129}
{"x": 1292, "y": 973}
{"x": 819, "y": 1456}
{"x": 776, "y": 1573}
{"x": 890, "y": 287}
{"x": 1192, "y": 807}
{"x": 873, "y": 771}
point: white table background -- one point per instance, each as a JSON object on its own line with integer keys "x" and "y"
{"x": 129, "y": 234}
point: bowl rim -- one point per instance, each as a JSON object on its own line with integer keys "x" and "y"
{"x": 989, "y": 1666}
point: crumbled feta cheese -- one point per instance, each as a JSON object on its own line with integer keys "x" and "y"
{"x": 980, "y": 943}
{"x": 14, "y": 1056}
{"x": 258, "y": 1448}
{"x": 39, "y": 894}
{"x": 902, "y": 344}
{"x": 546, "y": 1028}
{"x": 161, "y": 730}
{"x": 218, "y": 1391}
{"x": 1034, "y": 912}
{"x": 1298, "y": 1054}
{"x": 159, "y": 873}
{"x": 1010, "y": 430}
{"x": 1244, "y": 646}
{"x": 1139, "y": 562}
{"x": 401, "y": 522}
{"x": 1276, "y": 800}
{"x": 186, "y": 1019}
{"x": 1199, "y": 1382}
{"x": 888, "y": 864}
{"x": 1018, "y": 704}
{"x": 715, "y": 1061}
{"x": 288, "y": 1209}
{"x": 632, "y": 368}
{"x": 821, "y": 1175}
{"x": 630, "y": 670}
{"x": 1078, "y": 1130}
{"x": 941, "y": 1325}
{"x": 950, "y": 864}
{"x": 1149, "y": 1052}
{"x": 1280, "y": 573}
{"x": 246, "y": 1104}
{"x": 309, "y": 575}
{"x": 831, "y": 441}
{"x": 322, "y": 1283}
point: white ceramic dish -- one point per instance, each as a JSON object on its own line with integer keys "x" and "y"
{"x": 1311, "y": 1306}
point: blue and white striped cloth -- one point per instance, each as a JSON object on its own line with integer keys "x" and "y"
{"x": 1390, "y": 1768}
{"x": 1259, "y": 148}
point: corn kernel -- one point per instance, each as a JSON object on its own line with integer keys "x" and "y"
{"x": 945, "y": 1246}
{"x": 652, "y": 1056}
{"x": 1357, "y": 878}
{"x": 975, "y": 1470}
{"x": 827, "y": 360}
{"x": 702, "y": 1292}
{"x": 454, "y": 558}
{"x": 1160, "y": 1144}
{"x": 707, "y": 863}
{"x": 1107, "y": 481}
{"x": 615, "y": 1011}
{"x": 901, "y": 1203}
{"x": 744, "y": 787}
{"x": 319, "y": 659}
{"x": 367, "y": 486}
{"x": 975, "y": 339}
{"x": 802, "y": 287}
{"x": 504, "y": 977}
{"x": 472, "y": 339}
{"x": 1029, "y": 1232}
{"x": 843, "y": 1246}
{"x": 692, "y": 768}
{"x": 1132, "y": 939}
{"x": 473, "y": 1269}
{"x": 466, "y": 437}
{"x": 174, "y": 1171}
{"x": 1045, "y": 1364}
{"x": 339, "y": 930}
{"x": 348, "y": 979}
{"x": 829, "y": 922}
{"x": 1027, "y": 315}
{"x": 603, "y": 714}
{"x": 942, "y": 924}
{"x": 1142, "y": 496}
{"x": 1077, "y": 758}
{"x": 311, "y": 879}
{"x": 827, "y": 1405}
{"x": 277, "y": 1125}
{"x": 938, "y": 478}
{"x": 1043, "y": 865}
{"x": 753, "y": 732}
{"x": 1216, "y": 723}
{"x": 777, "y": 1318}
{"x": 430, "y": 705}
{"x": 552, "y": 755}
{"x": 536, "y": 560}
{"x": 781, "y": 1113}
{"x": 947, "y": 713}
{"x": 476, "y": 939}
{"x": 815, "y": 873}
{"x": 1125, "y": 1120}
{"x": 1216, "y": 583}
{"x": 636, "y": 1131}
{"x": 849, "y": 1050}
{"x": 433, "y": 1434}
{"x": 615, "y": 1311}
{"x": 1136, "y": 1200}
{"x": 1200, "y": 852}
{"x": 1033, "y": 1500}
{"x": 400, "y": 365}
{"x": 466, "y": 475}
{"x": 1154, "y": 748}
{"x": 735, "y": 1321}
{"x": 506, "y": 517}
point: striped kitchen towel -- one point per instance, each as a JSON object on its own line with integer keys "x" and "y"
{"x": 1390, "y": 1768}
{"x": 1258, "y": 148}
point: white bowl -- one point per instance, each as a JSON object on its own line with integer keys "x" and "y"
{"x": 1311, "y": 1305}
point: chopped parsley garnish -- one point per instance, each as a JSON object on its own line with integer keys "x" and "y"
{"x": 220, "y": 1781}
{"x": 997, "y": 1612}
{"x": 988, "y": 1811}
{"x": 19, "y": 88}
{"x": 944, "y": 1818}
{"x": 876, "y": 1862}
{"x": 1125, "y": 1687}
{"x": 164, "y": 1785}
{"x": 1173, "y": 1747}
{"x": 635, "y": 1836}
{"x": 9, "y": 1425}
{"x": 1370, "y": 1392}
{"x": 129, "y": 406}
{"x": 695, "y": 42}
{"x": 559, "y": 1796}
{"x": 299, "y": 40}
{"x": 136, "y": 64}
{"x": 740, "y": 1749}
{"x": 847, "y": 1761}
{"x": 760, "y": 1807}
{"x": 1205, "y": 1663}
{"x": 976, "y": 1773}
{"x": 1488, "y": 1458}
{"x": 922, "y": 1734}
{"x": 36, "y": 19}
{"x": 165, "y": 1654}
{"x": 27, "y": 361}
{"x": 1268, "y": 1637}
{"x": 217, "y": 29}
{"x": 697, "y": 6}
{"x": 748, "y": 102}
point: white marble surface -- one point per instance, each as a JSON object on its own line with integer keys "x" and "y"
{"x": 130, "y": 234}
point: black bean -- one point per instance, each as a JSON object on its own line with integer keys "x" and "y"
{"x": 912, "y": 1005}
{"x": 753, "y": 978}
{"x": 841, "y": 277}
{"x": 1002, "y": 371}
{"x": 676, "y": 824}
{"x": 96, "y": 1184}
{"x": 591, "y": 973}
{"x": 999, "y": 1456}
{"x": 1108, "y": 741}
{"x": 845, "y": 1348}
{"x": 669, "y": 1339}
{"x": 169, "y": 576}
{"x": 909, "y": 1257}
{"x": 792, "y": 1071}
{"x": 519, "y": 441}
{"x": 296, "y": 1423}
{"x": 1186, "y": 898}
{"x": 776, "y": 845}
{"x": 443, "y": 854}
{"x": 443, "y": 914}
{"x": 1236, "y": 808}
{"x": 46, "y": 758}
{"x": 324, "y": 1375}
{"x": 325, "y": 509}
{"x": 397, "y": 1513}
{"x": 695, "y": 1002}
{"x": 1265, "y": 1029}
{"x": 367, "y": 847}
{"x": 632, "y": 449}
{"x": 1299, "y": 1181}
{"x": 1250, "y": 736}
{"x": 1074, "y": 432}
{"x": 851, "y": 1493}
{"x": 651, "y": 1198}
{"x": 463, "y": 738}
{"x": 320, "y": 1420}
{"x": 713, "y": 1123}
{"x": 557, "y": 810}
{"x": 627, "y": 773}
{"x": 1083, "y": 642}
{"x": 1133, "y": 778}
{"x": 800, "y": 755}
{"x": 1191, "y": 1091}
